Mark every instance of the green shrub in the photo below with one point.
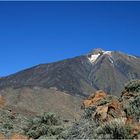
(88, 112)
(133, 86)
(37, 130)
(107, 99)
(36, 120)
(46, 125)
(132, 109)
(49, 119)
(80, 130)
(115, 129)
(7, 125)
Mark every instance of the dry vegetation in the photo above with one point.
(105, 117)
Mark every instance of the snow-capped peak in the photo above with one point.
(94, 57)
(96, 53)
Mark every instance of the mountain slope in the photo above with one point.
(60, 86)
(80, 75)
(69, 75)
(31, 101)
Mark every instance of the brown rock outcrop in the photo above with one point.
(109, 109)
(101, 113)
(94, 99)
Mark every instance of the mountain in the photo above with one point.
(71, 78)
(99, 69)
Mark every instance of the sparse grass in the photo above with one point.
(115, 129)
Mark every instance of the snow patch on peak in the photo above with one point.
(107, 52)
(93, 57)
(96, 53)
(132, 56)
(111, 60)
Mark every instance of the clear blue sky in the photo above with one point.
(40, 32)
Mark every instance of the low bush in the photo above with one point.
(46, 125)
(133, 86)
(132, 108)
(115, 129)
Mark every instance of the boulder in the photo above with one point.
(94, 99)
(101, 113)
